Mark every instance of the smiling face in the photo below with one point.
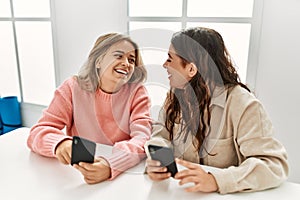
(117, 66)
(178, 73)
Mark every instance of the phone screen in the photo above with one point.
(165, 156)
(83, 150)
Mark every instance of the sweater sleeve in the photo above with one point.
(264, 160)
(126, 154)
(47, 133)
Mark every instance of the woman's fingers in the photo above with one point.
(93, 172)
(64, 158)
(150, 162)
(187, 164)
(63, 151)
(203, 181)
(155, 171)
(189, 179)
(159, 176)
(154, 166)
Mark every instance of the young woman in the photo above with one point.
(211, 118)
(106, 103)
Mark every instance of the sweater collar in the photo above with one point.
(108, 96)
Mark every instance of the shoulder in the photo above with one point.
(134, 86)
(242, 103)
(69, 83)
(135, 89)
(135, 93)
(240, 96)
(240, 100)
(67, 86)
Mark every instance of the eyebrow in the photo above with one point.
(170, 55)
(122, 52)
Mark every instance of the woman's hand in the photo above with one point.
(63, 151)
(94, 172)
(155, 171)
(204, 182)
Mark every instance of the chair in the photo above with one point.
(10, 114)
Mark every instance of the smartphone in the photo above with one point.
(83, 150)
(165, 156)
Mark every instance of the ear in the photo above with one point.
(192, 70)
(97, 63)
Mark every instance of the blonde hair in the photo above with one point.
(88, 75)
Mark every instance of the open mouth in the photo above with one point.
(169, 74)
(121, 71)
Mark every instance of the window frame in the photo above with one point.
(255, 32)
(12, 19)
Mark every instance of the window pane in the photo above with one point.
(9, 81)
(236, 38)
(154, 51)
(157, 82)
(152, 38)
(155, 8)
(5, 8)
(31, 8)
(157, 93)
(219, 8)
(36, 61)
(173, 26)
(153, 60)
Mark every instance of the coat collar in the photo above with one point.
(219, 96)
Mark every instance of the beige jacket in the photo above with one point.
(241, 144)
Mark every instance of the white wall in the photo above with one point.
(79, 23)
(278, 74)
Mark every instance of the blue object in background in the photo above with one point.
(10, 114)
(1, 127)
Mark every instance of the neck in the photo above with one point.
(110, 89)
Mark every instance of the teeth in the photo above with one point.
(121, 71)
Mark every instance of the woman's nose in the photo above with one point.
(165, 65)
(125, 62)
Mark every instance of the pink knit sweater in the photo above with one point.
(121, 119)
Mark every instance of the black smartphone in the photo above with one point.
(165, 156)
(83, 150)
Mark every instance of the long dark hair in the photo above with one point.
(205, 48)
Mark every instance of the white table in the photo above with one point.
(26, 175)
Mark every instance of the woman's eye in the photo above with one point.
(118, 55)
(168, 60)
(131, 60)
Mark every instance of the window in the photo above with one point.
(155, 8)
(26, 51)
(219, 8)
(237, 21)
